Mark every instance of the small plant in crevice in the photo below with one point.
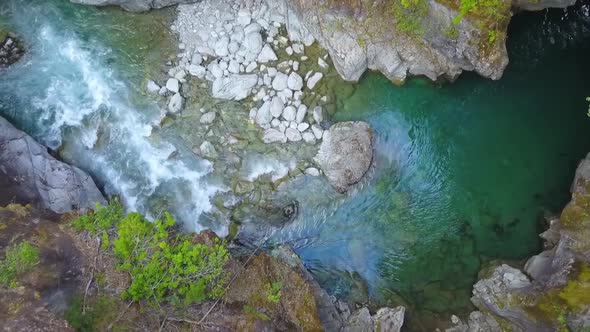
(273, 291)
(409, 15)
(19, 260)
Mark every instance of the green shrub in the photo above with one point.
(273, 292)
(164, 265)
(102, 219)
(19, 259)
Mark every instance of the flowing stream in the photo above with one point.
(463, 174)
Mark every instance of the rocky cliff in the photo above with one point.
(552, 293)
(399, 38)
(29, 174)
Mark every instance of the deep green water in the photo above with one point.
(464, 172)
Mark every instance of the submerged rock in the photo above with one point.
(29, 174)
(346, 153)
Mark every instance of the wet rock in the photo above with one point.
(317, 131)
(293, 134)
(274, 136)
(175, 104)
(312, 171)
(313, 80)
(207, 118)
(152, 87)
(346, 153)
(173, 85)
(29, 174)
(11, 50)
(385, 320)
(134, 5)
(263, 115)
(234, 87)
(318, 114)
(478, 322)
(208, 150)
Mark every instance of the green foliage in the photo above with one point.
(94, 318)
(273, 292)
(19, 259)
(588, 100)
(100, 220)
(452, 32)
(409, 14)
(164, 265)
(492, 35)
(492, 12)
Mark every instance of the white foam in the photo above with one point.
(263, 166)
(85, 94)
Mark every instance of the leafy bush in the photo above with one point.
(19, 259)
(164, 265)
(273, 292)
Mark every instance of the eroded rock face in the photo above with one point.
(29, 174)
(366, 36)
(337, 315)
(134, 5)
(346, 153)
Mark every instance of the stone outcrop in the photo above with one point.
(29, 174)
(11, 49)
(134, 5)
(346, 153)
(553, 291)
(337, 315)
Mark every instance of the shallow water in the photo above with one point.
(463, 173)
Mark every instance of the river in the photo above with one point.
(464, 172)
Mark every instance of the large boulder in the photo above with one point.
(29, 174)
(135, 5)
(346, 153)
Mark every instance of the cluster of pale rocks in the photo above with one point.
(234, 45)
